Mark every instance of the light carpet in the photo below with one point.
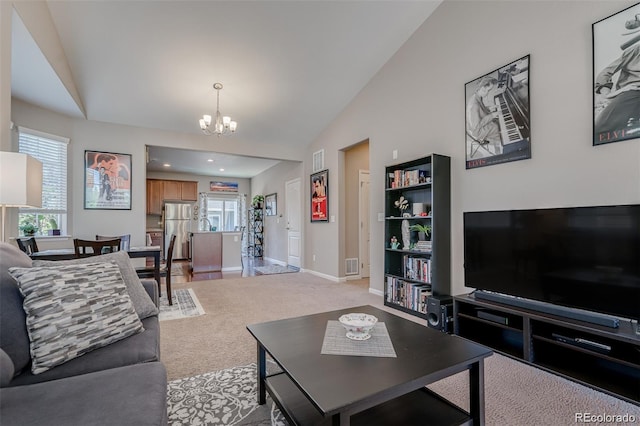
(185, 305)
(515, 394)
(275, 269)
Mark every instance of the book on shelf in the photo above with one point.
(417, 268)
(402, 178)
(407, 294)
(423, 246)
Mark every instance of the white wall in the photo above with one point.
(92, 135)
(275, 227)
(415, 104)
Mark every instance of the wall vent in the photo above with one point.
(318, 161)
(351, 266)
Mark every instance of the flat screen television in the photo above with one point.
(580, 257)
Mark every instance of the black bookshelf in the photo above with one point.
(418, 270)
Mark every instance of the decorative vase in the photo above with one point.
(405, 235)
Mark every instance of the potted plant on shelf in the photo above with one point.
(28, 229)
(257, 201)
(423, 230)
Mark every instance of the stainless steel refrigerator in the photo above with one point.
(178, 218)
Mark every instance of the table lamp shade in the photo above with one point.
(20, 180)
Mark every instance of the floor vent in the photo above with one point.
(351, 266)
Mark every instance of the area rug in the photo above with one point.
(185, 305)
(225, 397)
(275, 269)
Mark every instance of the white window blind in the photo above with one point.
(51, 150)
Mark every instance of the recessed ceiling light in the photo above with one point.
(166, 165)
(210, 160)
(222, 170)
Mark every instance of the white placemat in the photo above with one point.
(336, 342)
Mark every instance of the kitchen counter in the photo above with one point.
(216, 251)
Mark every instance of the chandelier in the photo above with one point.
(222, 125)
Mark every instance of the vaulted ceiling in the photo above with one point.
(288, 67)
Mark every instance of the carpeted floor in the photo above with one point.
(516, 393)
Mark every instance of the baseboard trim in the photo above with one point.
(232, 269)
(325, 276)
(376, 292)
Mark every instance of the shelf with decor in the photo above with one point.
(255, 227)
(417, 263)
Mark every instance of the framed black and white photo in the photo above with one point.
(107, 181)
(270, 204)
(616, 77)
(497, 127)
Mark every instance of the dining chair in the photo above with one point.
(125, 240)
(97, 247)
(27, 245)
(167, 268)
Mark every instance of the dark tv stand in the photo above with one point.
(604, 358)
(547, 308)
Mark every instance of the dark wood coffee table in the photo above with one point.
(316, 389)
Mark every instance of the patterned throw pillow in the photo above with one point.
(74, 309)
(142, 303)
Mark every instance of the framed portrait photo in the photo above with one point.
(616, 89)
(497, 128)
(320, 196)
(270, 204)
(107, 181)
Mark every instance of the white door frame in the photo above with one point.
(294, 208)
(364, 221)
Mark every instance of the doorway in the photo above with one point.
(363, 212)
(294, 218)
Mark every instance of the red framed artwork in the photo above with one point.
(320, 196)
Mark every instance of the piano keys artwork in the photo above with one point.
(616, 79)
(497, 116)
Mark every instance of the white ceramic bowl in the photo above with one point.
(358, 325)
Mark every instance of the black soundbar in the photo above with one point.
(547, 308)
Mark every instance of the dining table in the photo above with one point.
(133, 252)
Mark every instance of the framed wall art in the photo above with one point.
(497, 128)
(616, 84)
(107, 181)
(320, 196)
(270, 204)
(217, 186)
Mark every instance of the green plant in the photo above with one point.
(421, 228)
(53, 223)
(28, 229)
(258, 199)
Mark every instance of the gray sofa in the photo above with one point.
(123, 383)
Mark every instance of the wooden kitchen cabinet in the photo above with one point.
(172, 190)
(159, 190)
(155, 196)
(189, 191)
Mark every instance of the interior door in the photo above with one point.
(294, 219)
(365, 234)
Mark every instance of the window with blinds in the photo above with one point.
(223, 212)
(51, 150)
